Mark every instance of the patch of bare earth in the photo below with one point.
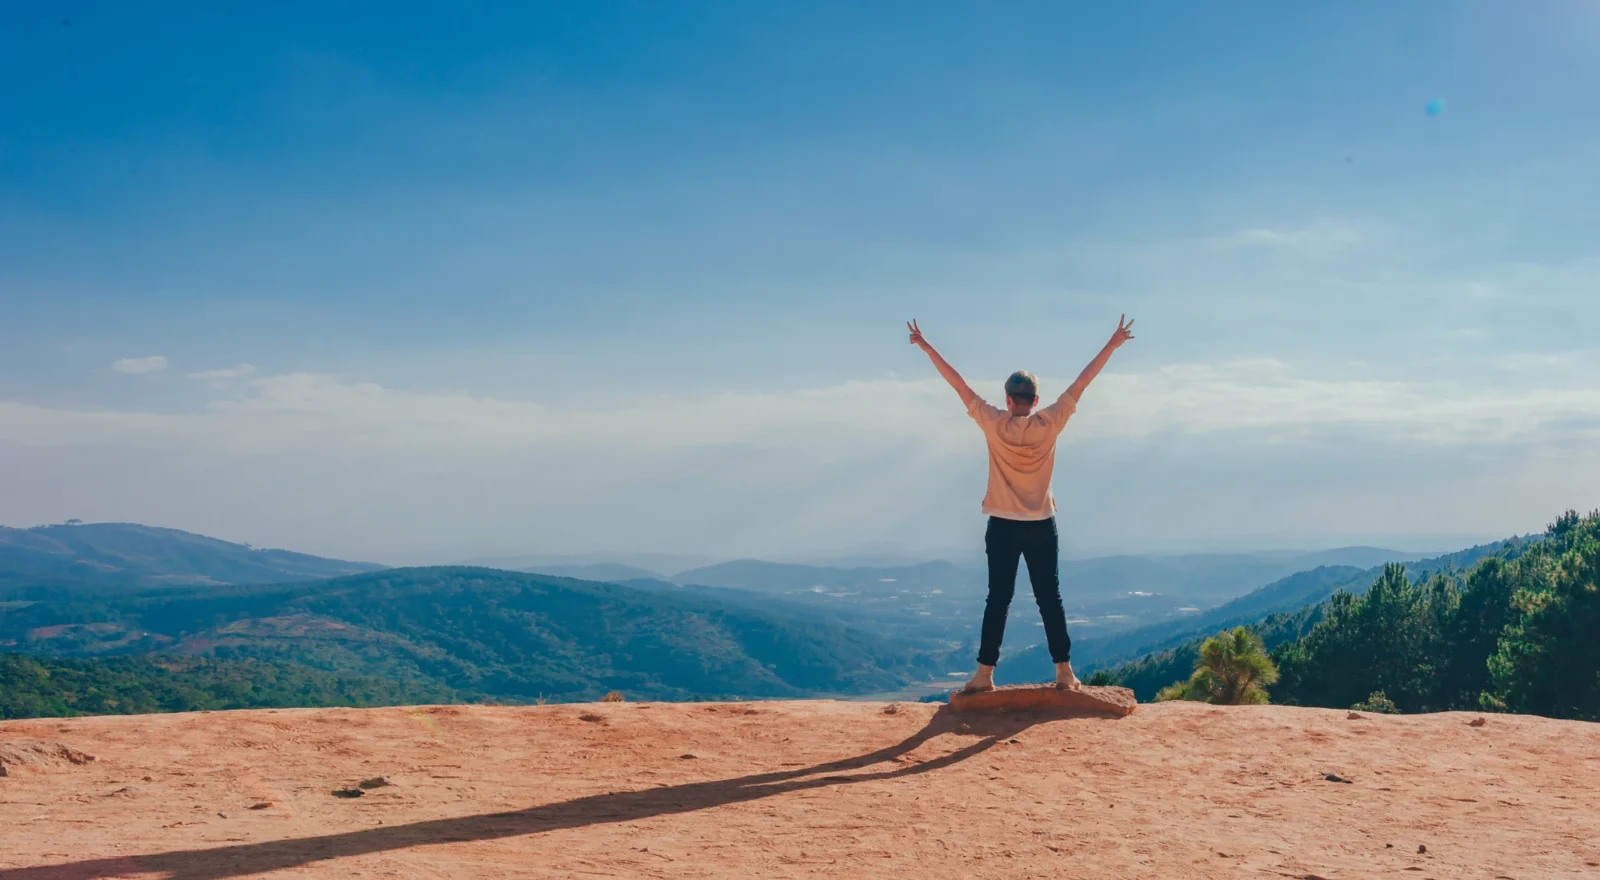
(804, 789)
(35, 755)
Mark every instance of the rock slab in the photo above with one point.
(1109, 700)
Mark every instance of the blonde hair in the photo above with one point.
(1022, 384)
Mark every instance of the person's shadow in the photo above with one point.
(253, 858)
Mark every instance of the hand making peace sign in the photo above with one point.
(1124, 331)
(916, 334)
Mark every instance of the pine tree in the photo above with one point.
(1232, 670)
(1548, 662)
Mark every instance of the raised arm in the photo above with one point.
(943, 366)
(1123, 334)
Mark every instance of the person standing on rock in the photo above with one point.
(1019, 503)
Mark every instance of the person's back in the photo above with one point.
(1019, 502)
(1022, 454)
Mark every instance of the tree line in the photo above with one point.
(39, 687)
(1517, 633)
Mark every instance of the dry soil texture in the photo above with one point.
(803, 789)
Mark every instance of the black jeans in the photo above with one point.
(1037, 542)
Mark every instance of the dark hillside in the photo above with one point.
(35, 687)
(503, 634)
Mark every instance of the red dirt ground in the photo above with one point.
(804, 789)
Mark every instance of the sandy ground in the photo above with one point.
(804, 789)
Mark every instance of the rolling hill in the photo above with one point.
(128, 555)
(741, 628)
(497, 634)
(605, 572)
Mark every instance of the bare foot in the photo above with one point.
(982, 680)
(1066, 679)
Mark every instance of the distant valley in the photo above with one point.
(941, 603)
(746, 628)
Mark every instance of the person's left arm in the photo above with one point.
(962, 389)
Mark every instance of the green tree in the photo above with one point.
(1519, 631)
(1388, 639)
(1548, 657)
(1472, 634)
(1233, 669)
(33, 687)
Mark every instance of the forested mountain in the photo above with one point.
(930, 603)
(33, 687)
(486, 632)
(1285, 596)
(125, 555)
(151, 620)
(604, 572)
(1518, 631)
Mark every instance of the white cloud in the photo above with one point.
(306, 412)
(1268, 395)
(1181, 452)
(152, 364)
(238, 372)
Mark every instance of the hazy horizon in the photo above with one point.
(391, 283)
(671, 564)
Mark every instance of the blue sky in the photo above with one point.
(413, 283)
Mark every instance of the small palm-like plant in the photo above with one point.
(1233, 669)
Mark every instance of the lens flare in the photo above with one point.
(1434, 107)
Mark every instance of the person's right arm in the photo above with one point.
(1076, 389)
(943, 366)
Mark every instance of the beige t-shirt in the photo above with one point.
(1022, 456)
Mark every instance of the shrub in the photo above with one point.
(1378, 702)
(1231, 670)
